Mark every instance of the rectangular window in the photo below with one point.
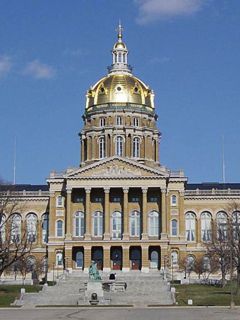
(97, 199)
(153, 199)
(115, 199)
(134, 198)
(119, 121)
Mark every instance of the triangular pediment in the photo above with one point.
(117, 167)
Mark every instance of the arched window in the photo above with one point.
(222, 225)
(119, 146)
(118, 120)
(173, 200)
(135, 223)
(153, 223)
(174, 258)
(190, 224)
(102, 122)
(45, 223)
(16, 227)
(79, 224)
(102, 148)
(136, 122)
(174, 228)
(59, 259)
(206, 264)
(3, 228)
(206, 226)
(190, 261)
(116, 225)
(236, 225)
(136, 147)
(32, 227)
(59, 228)
(98, 224)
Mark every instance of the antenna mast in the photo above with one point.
(223, 162)
(14, 160)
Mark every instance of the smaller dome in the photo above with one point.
(120, 45)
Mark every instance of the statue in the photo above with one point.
(93, 272)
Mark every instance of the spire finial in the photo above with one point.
(119, 31)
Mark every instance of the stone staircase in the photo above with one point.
(142, 289)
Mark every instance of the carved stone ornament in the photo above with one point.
(117, 171)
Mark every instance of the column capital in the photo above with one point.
(163, 190)
(88, 190)
(69, 191)
(125, 190)
(106, 190)
(144, 189)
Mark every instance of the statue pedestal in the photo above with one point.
(94, 287)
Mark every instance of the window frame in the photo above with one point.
(58, 229)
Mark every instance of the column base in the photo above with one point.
(106, 236)
(144, 236)
(87, 236)
(125, 236)
(85, 270)
(106, 269)
(125, 269)
(145, 269)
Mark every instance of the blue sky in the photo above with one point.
(186, 50)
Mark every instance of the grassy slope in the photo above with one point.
(205, 295)
(8, 293)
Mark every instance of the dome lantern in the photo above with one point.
(120, 55)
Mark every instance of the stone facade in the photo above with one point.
(121, 207)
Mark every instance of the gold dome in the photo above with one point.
(120, 88)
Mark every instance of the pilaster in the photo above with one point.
(163, 214)
(144, 213)
(125, 214)
(107, 214)
(125, 259)
(88, 214)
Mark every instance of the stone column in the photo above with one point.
(145, 147)
(181, 216)
(107, 214)
(87, 258)
(145, 260)
(125, 214)
(144, 214)
(163, 214)
(88, 214)
(68, 216)
(39, 232)
(157, 150)
(94, 144)
(52, 213)
(89, 148)
(125, 259)
(68, 262)
(82, 150)
(106, 259)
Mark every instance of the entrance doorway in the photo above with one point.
(136, 258)
(97, 256)
(154, 257)
(78, 257)
(116, 258)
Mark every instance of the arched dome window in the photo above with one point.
(119, 146)
(136, 147)
(222, 225)
(102, 152)
(236, 225)
(16, 222)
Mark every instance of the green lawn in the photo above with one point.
(205, 295)
(8, 293)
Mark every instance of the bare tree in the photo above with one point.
(14, 240)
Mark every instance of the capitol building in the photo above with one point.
(121, 207)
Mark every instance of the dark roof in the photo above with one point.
(26, 187)
(212, 185)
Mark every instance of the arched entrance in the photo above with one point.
(78, 258)
(97, 256)
(154, 257)
(136, 258)
(116, 258)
